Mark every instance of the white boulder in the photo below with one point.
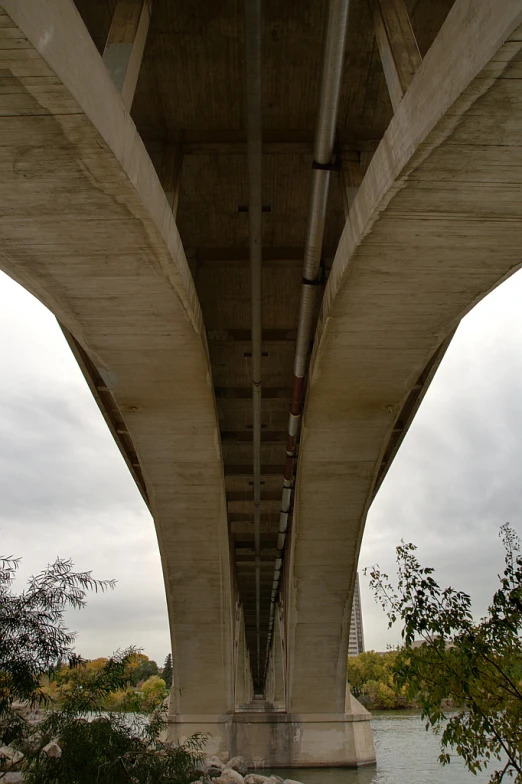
(238, 764)
(52, 750)
(230, 776)
(215, 762)
(9, 757)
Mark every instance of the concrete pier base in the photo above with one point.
(277, 739)
(216, 728)
(295, 741)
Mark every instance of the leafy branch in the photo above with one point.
(476, 667)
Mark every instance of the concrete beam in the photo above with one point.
(398, 48)
(348, 190)
(278, 141)
(246, 470)
(123, 51)
(171, 167)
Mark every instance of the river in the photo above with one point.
(406, 754)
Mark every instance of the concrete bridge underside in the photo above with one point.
(125, 210)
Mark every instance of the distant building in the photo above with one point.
(356, 641)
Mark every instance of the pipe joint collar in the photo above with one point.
(293, 424)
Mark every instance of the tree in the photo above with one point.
(371, 680)
(369, 666)
(33, 647)
(478, 666)
(167, 671)
(141, 668)
(154, 692)
(34, 637)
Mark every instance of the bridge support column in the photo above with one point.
(244, 683)
(275, 678)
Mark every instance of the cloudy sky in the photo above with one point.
(64, 489)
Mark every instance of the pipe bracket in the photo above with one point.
(332, 166)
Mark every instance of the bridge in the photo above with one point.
(259, 228)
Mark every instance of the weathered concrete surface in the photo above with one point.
(301, 741)
(87, 229)
(267, 738)
(435, 226)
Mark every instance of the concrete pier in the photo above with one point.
(266, 738)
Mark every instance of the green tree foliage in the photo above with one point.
(167, 671)
(112, 748)
(141, 668)
(371, 679)
(153, 691)
(478, 666)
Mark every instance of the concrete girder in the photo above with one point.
(125, 44)
(435, 226)
(88, 230)
(400, 56)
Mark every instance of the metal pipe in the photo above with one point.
(331, 75)
(254, 157)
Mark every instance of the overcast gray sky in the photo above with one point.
(66, 491)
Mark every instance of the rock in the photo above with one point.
(52, 750)
(12, 778)
(9, 757)
(215, 762)
(274, 780)
(214, 772)
(230, 776)
(28, 711)
(292, 781)
(238, 764)
(255, 778)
